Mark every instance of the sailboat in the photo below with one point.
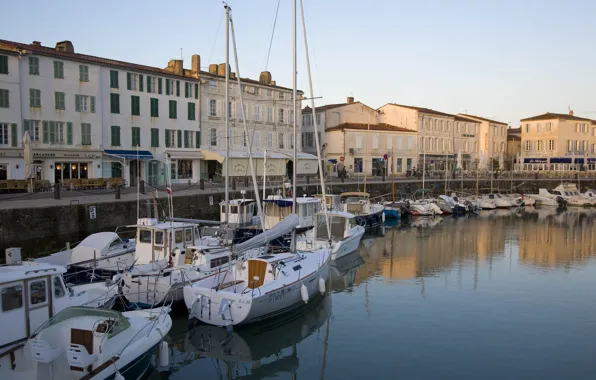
(266, 286)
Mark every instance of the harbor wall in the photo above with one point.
(42, 230)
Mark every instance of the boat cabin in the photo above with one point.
(29, 296)
(332, 201)
(340, 222)
(277, 208)
(207, 259)
(355, 202)
(567, 190)
(241, 212)
(156, 240)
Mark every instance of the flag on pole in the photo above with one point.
(169, 190)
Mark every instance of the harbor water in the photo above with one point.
(502, 295)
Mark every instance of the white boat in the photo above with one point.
(345, 234)
(95, 258)
(424, 208)
(544, 198)
(451, 205)
(574, 198)
(483, 203)
(87, 343)
(367, 214)
(31, 295)
(499, 200)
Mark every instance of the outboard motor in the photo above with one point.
(561, 202)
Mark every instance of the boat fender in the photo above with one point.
(164, 354)
(118, 376)
(304, 293)
(321, 285)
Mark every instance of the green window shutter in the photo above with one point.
(57, 100)
(198, 139)
(56, 72)
(78, 103)
(179, 138)
(186, 89)
(69, 133)
(113, 79)
(128, 81)
(52, 132)
(186, 139)
(3, 64)
(167, 138)
(92, 104)
(140, 82)
(168, 86)
(26, 127)
(115, 103)
(159, 86)
(134, 136)
(45, 132)
(148, 83)
(196, 91)
(177, 88)
(191, 111)
(13, 134)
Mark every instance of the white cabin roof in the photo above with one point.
(343, 214)
(10, 273)
(166, 225)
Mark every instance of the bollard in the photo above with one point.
(202, 184)
(142, 187)
(56, 190)
(117, 187)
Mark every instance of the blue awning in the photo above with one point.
(279, 202)
(130, 154)
(535, 160)
(332, 160)
(560, 160)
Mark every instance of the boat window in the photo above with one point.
(37, 292)
(158, 237)
(234, 209)
(12, 297)
(118, 242)
(145, 236)
(219, 261)
(58, 288)
(223, 209)
(353, 222)
(188, 235)
(178, 236)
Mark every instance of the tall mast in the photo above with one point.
(294, 98)
(227, 116)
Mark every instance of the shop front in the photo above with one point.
(274, 164)
(130, 165)
(185, 166)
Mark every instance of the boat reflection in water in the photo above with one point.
(342, 272)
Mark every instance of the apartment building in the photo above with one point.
(554, 141)
(93, 117)
(441, 136)
(491, 140)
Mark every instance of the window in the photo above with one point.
(257, 140)
(281, 95)
(538, 128)
(170, 87)
(188, 139)
(59, 100)
(4, 134)
(375, 142)
(34, 98)
(84, 103)
(291, 141)
(191, 111)
(136, 136)
(357, 165)
(33, 127)
(85, 134)
(269, 93)
(113, 79)
(269, 113)
(115, 103)
(318, 119)
(212, 107)
(3, 64)
(551, 144)
(37, 292)
(173, 109)
(185, 172)
(84, 73)
(527, 145)
(58, 288)
(12, 298)
(280, 140)
(4, 101)
(170, 138)
(58, 70)
(291, 117)
(257, 91)
(213, 137)
(212, 84)
(135, 105)
(154, 137)
(527, 128)
(539, 145)
(154, 107)
(158, 237)
(269, 140)
(257, 112)
(281, 114)
(358, 142)
(115, 135)
(33, 66)
(134, 82)
(151, 84)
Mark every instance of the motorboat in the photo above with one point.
(424, 208)
(32, 294)
(367, 214)
(87, 343)
(544, 198)
(345, 234)
(499, 200)
(449, 205)
(392, 209)
(95, 258)
(482, 202)
(468, 207)
(523, 200)
(574, 198)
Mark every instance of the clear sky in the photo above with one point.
(502, 59)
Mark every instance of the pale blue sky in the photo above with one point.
(499, 59)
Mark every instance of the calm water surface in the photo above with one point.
(503, 295)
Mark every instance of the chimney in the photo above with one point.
(65, 46)
(213, 69)
(175, 66)
(350, 100)
(570, 112)
(36, 43)
(265, 77)
(221, 70)
(196, 63)
(232, 75)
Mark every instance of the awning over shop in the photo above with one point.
(185, 155)
(276, 162)
(540, 160)
(129, 154)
